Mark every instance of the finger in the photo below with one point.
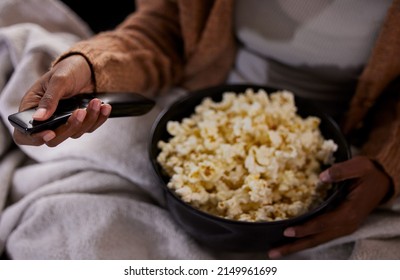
(32, 97)
(101, 117)
(350, 169)
(332, 221)
(311, 235)
(319, 230)
(47, 106)
(105, 111)
(48, 103)
(73, 126)
(92, 115)
(36, 139)
(301, 244)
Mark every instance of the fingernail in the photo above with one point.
(96, 105)
(49, 136)
(289, 232)
(274, 254)
(106, 110)
(80, 115)
(39, 113)
(325, 177)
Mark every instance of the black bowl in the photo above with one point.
(224, 234)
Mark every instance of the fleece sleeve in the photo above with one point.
(143, 54)
(383, 144)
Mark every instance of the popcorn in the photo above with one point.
(249, 157)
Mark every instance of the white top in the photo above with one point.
(316, 48)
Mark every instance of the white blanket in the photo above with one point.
(96, 197)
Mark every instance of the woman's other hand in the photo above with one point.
(369, 187)
(67, 78)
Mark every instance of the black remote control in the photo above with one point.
(124, 104)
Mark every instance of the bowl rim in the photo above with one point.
(339, 187)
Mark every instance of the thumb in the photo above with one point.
(47, 106)
(68, 77)
(49, 102)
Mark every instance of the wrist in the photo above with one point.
(85, 78)
(389, 186)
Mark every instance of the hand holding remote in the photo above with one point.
(76, 114)
(122, 104)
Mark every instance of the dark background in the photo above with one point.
(102, 15)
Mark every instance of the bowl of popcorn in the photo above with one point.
(240, 163)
